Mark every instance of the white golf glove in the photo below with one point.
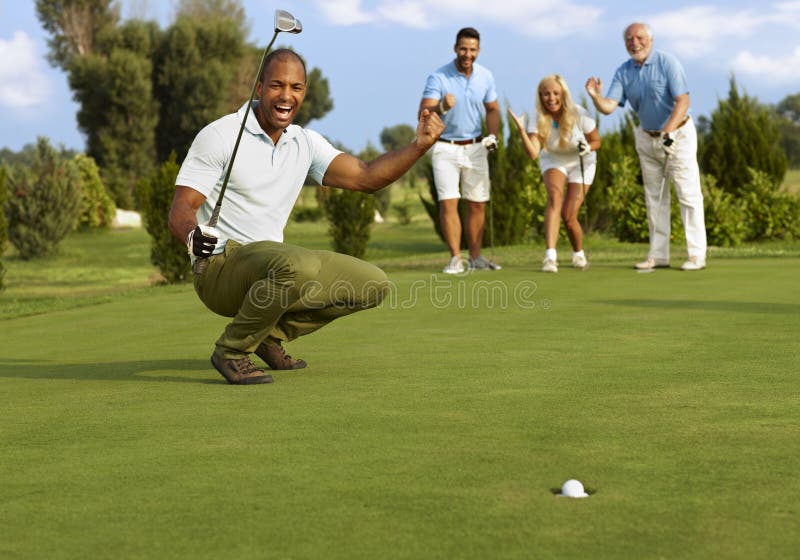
(584, 149)
(668, 143)
(490, 142)
(202, 240)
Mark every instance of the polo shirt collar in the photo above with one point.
(253, 127)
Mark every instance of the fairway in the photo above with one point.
(433, 427)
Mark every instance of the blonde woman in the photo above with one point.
(560, 135)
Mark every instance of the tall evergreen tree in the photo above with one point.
(196, 63)
(743, 134)
(789, 111)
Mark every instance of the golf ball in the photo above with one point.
(573, 489)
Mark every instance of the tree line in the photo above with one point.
(144, 92)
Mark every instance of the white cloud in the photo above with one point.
(543, 18)
(772, 69)
(696, 31)
(344, 12)
(22, 81)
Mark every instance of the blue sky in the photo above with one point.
(377, 54)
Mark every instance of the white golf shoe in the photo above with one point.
(549, 265)
(694, 263)
(651, 263)
(455, 266)
(579, 261)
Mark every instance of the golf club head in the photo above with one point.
(286, 22)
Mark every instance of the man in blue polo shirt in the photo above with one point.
(462, 91)
(666, 140)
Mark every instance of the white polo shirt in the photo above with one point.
(266, 178)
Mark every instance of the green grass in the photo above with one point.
(791, 183)
(433, 427)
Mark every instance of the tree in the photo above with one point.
(3, 223)
(97, 208)
(743, 134)
(74, 26)
(155, 195)
(789, 111)
(43, 202)
(195, 58)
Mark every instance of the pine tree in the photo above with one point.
(743, 134)
(43, 202)
(155, 194)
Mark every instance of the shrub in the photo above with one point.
(97, 208)
(350, 215)
(724, 214)
(43, 202)
(769, 212)
(154, 196)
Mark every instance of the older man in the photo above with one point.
(655, 84)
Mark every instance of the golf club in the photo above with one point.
(284, 23)
(585, 205)
(658, 208)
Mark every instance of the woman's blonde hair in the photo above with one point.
(568, 115)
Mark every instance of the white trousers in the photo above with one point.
(684, 172)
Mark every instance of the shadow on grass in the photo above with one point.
(727, 306)
(144, 370)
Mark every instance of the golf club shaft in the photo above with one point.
(215, 214)
(585, 202)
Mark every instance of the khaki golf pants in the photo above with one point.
(279, 291)
(682, 169)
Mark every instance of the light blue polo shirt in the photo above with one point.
(650, 88)
(265, 180)
(462, 122)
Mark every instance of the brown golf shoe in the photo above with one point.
(276, 358)
(240, 371)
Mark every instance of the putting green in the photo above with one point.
(433, 427)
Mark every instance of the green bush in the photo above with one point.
(626, 201)
(350, 215)
(154, 197)
(724, 215)
(3, 224)
(97, 207)
(769, 212)
(43, 202)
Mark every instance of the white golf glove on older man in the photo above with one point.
(490, 142)
(584, 149)
(668, 143)
(202, 241)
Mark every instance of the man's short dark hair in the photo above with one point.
(468, 33)
(281, 54)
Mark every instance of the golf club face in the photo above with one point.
(286, 22)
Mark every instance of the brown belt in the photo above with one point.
(657, 133)
(462, 142)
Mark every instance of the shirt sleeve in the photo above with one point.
(491, 89)
(676, 77)
(433, 88)
(205, 163)
(588, 124)
(616, 91)
(323, 153)
(533, 123)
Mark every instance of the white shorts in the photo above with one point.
(465, 165)
(570, 166)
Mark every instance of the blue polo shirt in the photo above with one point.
(650, 88)
(463, 121)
